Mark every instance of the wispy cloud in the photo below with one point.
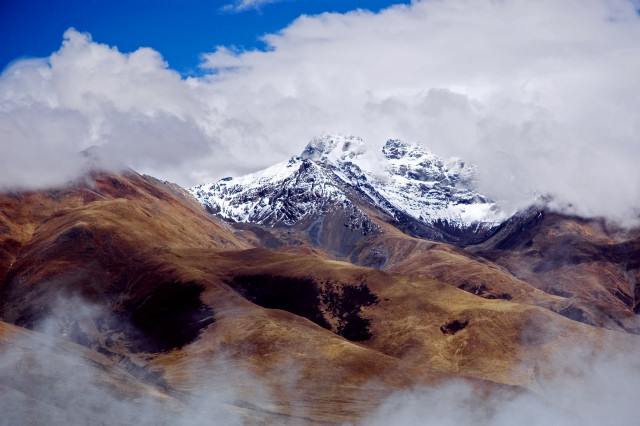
(244, 5)
(542, 96)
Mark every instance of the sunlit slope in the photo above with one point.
(183, 305)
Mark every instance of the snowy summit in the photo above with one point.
(409, 183)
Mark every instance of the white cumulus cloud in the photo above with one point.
(542, 96)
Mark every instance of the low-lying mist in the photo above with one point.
(44, 379)
(589, 389)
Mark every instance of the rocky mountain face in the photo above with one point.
(592, 264)
(333, 185)
(123, 301)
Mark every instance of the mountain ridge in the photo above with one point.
(416, 191)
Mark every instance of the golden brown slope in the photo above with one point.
(576, 267)
(130, 270)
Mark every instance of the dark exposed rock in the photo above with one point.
(454, 326)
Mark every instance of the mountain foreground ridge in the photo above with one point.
(123, 301)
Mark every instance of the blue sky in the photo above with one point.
(179, 29)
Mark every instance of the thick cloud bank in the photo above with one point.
(543, 96)
(86, 94)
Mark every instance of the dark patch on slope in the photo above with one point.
(154, 313)
(454, 326)
(169, 317)
(345, 304)
(576, 313)
(304, 297)
(300, 296)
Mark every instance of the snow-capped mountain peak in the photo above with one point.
(416, 162)
(333, 149)
(431, 197)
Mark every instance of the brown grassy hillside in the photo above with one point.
(155, 301)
